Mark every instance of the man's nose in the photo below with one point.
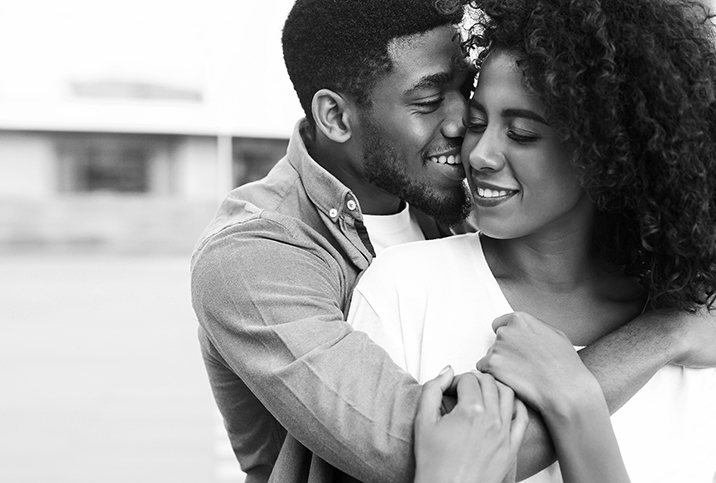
(456, 116)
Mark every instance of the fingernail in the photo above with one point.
(445, 369)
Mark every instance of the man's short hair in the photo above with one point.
(342, 45)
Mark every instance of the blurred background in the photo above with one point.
(122, 125)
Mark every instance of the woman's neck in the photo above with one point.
(561, 281)
(553, 262)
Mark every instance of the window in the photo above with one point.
(112, 168)
(117, 163)
(254, 157)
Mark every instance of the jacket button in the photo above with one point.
(351, 205)
(333, 213)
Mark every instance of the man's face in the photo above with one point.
(413, 131)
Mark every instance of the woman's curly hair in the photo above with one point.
(631, 85)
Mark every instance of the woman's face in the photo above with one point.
(519, 172)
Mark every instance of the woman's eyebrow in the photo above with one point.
(525, 113)
(512, 112)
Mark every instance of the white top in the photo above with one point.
(388, 230)
(432, 303)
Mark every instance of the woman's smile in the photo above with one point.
(487, 196)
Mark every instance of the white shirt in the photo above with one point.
(432, 303)
(388, 230)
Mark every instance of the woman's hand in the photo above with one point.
(542, 367)
(477, 441)
(538, 362)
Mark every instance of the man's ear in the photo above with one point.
(332, 113)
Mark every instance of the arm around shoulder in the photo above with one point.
(624, 360)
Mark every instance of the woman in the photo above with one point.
(591, 159)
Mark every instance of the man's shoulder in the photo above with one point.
(269, 193)
(258, 203)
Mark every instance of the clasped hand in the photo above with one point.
(478, 440)
(536, 360)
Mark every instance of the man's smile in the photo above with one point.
(446, 159)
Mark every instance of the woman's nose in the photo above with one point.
(486, 153)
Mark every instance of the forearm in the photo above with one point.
(621, 362)
(626, 359)
(537, 451)
(348, 404)
(585, 442)
(334, 390)
(351, 407)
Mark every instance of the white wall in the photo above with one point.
(228, 50)
(27, 166)
(197, 169)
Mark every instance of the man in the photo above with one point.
(375, 163)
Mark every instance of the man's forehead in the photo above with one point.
(438, 50)
(398, 46)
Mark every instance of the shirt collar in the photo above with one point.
(325, 191)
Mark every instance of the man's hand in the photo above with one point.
(477, 441)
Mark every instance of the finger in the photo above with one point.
(501, 321)
(452, 386)
(431, 397)
(507, 401)
(490, 394)
(511, 476)
(469, 393)
(520, 421)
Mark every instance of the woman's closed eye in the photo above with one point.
(521, 136)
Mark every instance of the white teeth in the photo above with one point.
(452, 159)
(489, 193)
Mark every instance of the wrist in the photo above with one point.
(583, 397)
(434, 473)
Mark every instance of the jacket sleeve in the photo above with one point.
(271, 303)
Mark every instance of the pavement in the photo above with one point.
(102, 380)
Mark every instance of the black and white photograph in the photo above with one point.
(358, 241)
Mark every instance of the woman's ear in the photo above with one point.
(331, 112)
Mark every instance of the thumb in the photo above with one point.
(431, 396)
(501, 321)
(483, 365)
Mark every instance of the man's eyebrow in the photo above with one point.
(431, 81)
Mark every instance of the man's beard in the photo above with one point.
(383, 168)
